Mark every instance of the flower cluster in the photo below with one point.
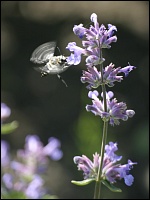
(94, 40)
(110, 75)
(98, 37)
(23, 174)
(110, 170)
(115, 110)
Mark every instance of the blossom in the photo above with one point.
(97, 37)
(35, 147)
(110, 170)
(23, 174)
(76, 57)
(92, 76)
(110, 75)
(35, 189)
(115, 111)
(8, 180)
(5, 112)
(52, 149)
(4, 153)
(127, 69)
(79, 30)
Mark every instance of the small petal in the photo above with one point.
(79, 30)
(127, 69)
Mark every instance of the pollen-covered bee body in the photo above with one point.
(48, 63)
(55, 65)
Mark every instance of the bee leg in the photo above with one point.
(62, 80)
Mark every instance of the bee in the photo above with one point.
(48, 63)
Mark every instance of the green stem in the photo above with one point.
(97, 191)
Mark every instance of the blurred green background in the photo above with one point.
(44, 106)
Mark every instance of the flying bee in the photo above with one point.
(48, 63)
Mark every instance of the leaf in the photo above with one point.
(111, 186)
(9, 127)
(14, 195)
(48, 196)
(84, 182)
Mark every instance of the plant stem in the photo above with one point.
(97, 191)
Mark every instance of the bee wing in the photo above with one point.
(43, 53)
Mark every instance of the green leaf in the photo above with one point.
(84, 182)
(48, 196)
(14, 195)
(9, 127)
(111, 186)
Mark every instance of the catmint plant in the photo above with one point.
(106, 167)
(22, 177)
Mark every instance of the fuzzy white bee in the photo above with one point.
(49, 64)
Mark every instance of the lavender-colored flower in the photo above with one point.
(23, 173)
(92, 76)
(110, 170)
(35, 151)
(127, 69)
(5, 112)
(4, 153)
(35, 188)
(52, 149)
(110, 75)
(34, 146)
(88, 167)
(79, 30)
(8, 180)
(115, 111)
(98, 37)
(75, 59)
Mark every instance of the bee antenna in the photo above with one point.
(62, 80)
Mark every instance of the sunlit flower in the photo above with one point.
(110, 170)
(115, 111)
(110, 75)
(97, 37)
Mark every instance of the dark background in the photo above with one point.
(45, 107)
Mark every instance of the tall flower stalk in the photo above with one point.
(104, 136)
(104, 168)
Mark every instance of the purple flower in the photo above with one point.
(79, 30)
(110, 170)
(5, 112)
(52, 149)
(35, 188)
(24, 173)
(4, 153)
(110, 75)
(88, 167)
(115, 111)
(8, 180)
(97, 37)
(92, 76)
(127, 69)
(34, 146)
(74, 59)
